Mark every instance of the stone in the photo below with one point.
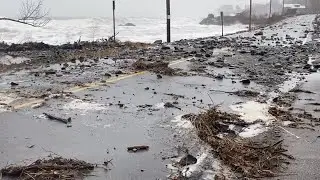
(259, 33)
(188, 160)
(165, 47)
(14, 84)
(158, 42)
(245, 81)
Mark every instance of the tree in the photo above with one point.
(31, 13)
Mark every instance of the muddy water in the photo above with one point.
(102, 129)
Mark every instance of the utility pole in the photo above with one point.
(114, 20)
(250, 16)
(270, 10)
(168, 22)
(221, 15)
(283, 3)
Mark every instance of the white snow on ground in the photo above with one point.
(252, 111)
(84, 107)
(182, 123)
(253, 130)
(159, 105)
(146, 30)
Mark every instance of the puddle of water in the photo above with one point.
(252, 111)
(8, 60)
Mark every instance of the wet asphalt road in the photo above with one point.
(102, 130)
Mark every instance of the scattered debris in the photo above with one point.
(247, 158)
(52, 117)
(171, 105)
(31, 146)
(145, 106)
(314, 104)
(158, 67)
(297, 90)
(241, 93)
(138, 148)
(175, 96)
(55, 168)
(14, 84)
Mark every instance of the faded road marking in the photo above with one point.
(31, 102)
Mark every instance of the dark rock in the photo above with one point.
(165, 47)
(159, 76)
(188, 160)
(278, 65)
(107, 74)
(219, 76)
(245, 81)
(127, 24)
(158, 42)
(14, 84)
(147, 88)
(49, 72)
(208, 55)
(260, 33)
(198, 55)
(73, 60)
(169, 105)
(118, 72)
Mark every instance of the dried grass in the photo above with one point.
(247, 159)
(55, 168)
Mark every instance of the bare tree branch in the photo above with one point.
(32, 13)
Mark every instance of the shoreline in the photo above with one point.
(257, 74)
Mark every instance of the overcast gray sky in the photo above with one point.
(125, 8)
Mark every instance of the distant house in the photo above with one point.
(294, 9)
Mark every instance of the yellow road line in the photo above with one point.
(88, 86)
(97, 84)
(27, 104)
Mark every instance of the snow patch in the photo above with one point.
(159, 105)
(252, 111)
(182, 123)
(84, 106)
(252, 130)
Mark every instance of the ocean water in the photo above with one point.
(60, 31)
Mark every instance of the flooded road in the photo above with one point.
(108, 119)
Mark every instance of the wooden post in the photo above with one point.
(114, 20)
(221, 15)
(283, 3)
(168, 22)
(270, 10)
(250, 18)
